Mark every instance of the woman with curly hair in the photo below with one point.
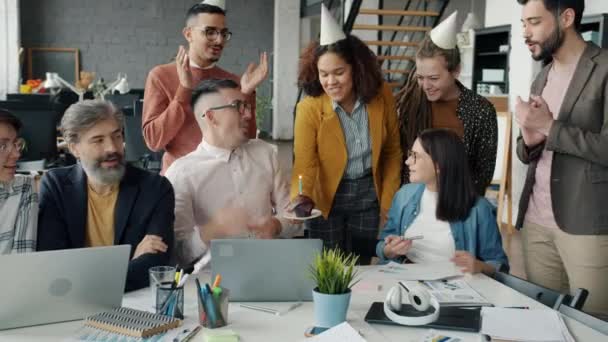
(346, 144)
(434, 98)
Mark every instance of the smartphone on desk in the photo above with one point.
(312, 331)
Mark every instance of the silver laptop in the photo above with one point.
(265, 270)
(62, 285)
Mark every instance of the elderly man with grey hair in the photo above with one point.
(102, 201)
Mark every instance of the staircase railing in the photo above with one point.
(411, 36)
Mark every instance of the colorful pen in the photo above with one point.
(209, 305)
(218, 279)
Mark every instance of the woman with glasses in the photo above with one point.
(346, 144)
(438, 217)
(18, 199)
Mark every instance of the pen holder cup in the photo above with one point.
(170, 301)
(213, 309)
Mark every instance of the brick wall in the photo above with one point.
(134, 35)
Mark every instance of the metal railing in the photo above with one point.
(407, 36)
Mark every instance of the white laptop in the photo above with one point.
(63, 285)
(265, 270)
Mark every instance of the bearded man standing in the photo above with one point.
(564, 140)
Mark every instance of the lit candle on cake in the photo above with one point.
(300, 184)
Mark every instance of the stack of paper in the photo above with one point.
(451, 292)
(339, 333)
(542, 325)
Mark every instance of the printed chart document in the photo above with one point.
(434, 271)
(537, 325)
(454, 292)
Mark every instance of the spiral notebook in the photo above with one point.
(131, 322)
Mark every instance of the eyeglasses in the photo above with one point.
(413, 155)
(241, 106)
(213, 33)
(8, 147)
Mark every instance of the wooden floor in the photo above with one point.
(511, 242)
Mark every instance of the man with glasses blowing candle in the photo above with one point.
(229, 186)
(168, 122)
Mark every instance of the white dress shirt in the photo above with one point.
(438, 242)
(211, 178)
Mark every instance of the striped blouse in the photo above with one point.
(358, 142)
(19, 213)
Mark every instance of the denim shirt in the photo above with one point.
(478, 234)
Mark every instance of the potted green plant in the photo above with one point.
(333, 272)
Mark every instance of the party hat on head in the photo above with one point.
(444, 34)
(331, 31)
(217, 3)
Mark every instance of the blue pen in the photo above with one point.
(216, 306)
(210, 306)
(202, 299)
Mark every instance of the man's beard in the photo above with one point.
(550, 45)
(102, 174)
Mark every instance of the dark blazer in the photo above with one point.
(579, 140)
(145, 205)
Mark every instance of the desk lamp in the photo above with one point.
(54, 82)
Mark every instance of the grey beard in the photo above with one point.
(104, 176)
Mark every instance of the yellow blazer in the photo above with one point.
(321, 156)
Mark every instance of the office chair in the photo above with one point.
(584, 318)
(123, 101)
(136, 150)
(550, 298)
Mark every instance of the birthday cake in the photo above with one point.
(302, 206)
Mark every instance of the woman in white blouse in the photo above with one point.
(18, 198)
(439, 217)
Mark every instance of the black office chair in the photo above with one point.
(584, 318)
(136, 150)
(123, 101)
(550, 298)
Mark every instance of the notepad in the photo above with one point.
(131, 322)
(221, 336)
(540, 325)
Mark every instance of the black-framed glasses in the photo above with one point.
(8, 147)
(413, 155)
(213, 33)
(241, 106)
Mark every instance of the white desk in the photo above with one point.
(258, 326)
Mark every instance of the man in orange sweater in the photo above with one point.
(168, 120)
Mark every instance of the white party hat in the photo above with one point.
(444, 34)
(331, 31)
(218, 3)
